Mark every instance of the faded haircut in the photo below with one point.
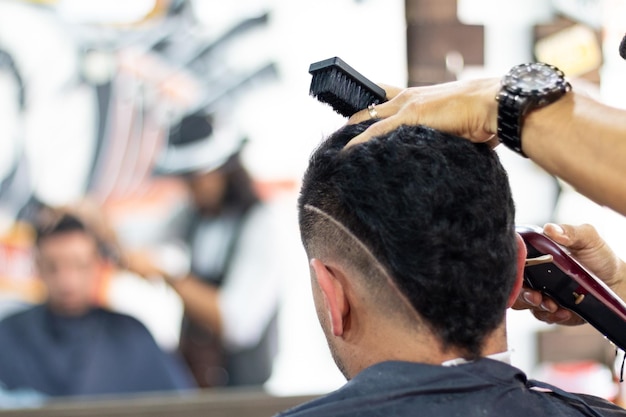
(434, 218)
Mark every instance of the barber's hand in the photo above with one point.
(465, 108)
(170, 261)
(588, 248)
(142, 263)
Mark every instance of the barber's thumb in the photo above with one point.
(559, 233)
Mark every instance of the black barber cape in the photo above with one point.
(483, 388)
(98, 353)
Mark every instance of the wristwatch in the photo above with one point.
(524, 88)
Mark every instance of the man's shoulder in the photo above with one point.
(374, 391)
(604, 407)
(19, 329)
(127, 330)
(400, 388)
(121, 321)
(23, 316)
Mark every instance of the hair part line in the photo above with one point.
(369, 253)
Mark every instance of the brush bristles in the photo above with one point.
(343, 94)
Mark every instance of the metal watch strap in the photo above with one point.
(510, 113)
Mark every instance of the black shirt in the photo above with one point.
(97, 353)
(482, 388)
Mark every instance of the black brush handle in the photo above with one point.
(338, 64)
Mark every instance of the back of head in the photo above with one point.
(433, 209)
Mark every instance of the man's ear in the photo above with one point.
(336, 305)
(519, 275)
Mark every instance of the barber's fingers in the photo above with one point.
(535, 300)
(382, 110)
(379, 128)
(583, 237)
(545, 308)
(562, 316)
(403, 107)
(582, 241)
(462, 108)
(587, 247)
(527, 299)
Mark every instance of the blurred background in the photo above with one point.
(91, 88)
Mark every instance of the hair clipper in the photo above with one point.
(551, 270)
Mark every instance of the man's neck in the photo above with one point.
(68, 313)
(496, 342)
(423, 348)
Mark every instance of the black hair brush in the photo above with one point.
(347, 91)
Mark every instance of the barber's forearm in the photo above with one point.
(582, 142)
(200, 301)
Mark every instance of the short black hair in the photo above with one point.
(64, 223)
(60, 223)
(434, 209)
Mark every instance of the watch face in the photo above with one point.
(533, 78)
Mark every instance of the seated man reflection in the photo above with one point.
(68, 346)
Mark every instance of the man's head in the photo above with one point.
(415, 227)
(69, 261)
